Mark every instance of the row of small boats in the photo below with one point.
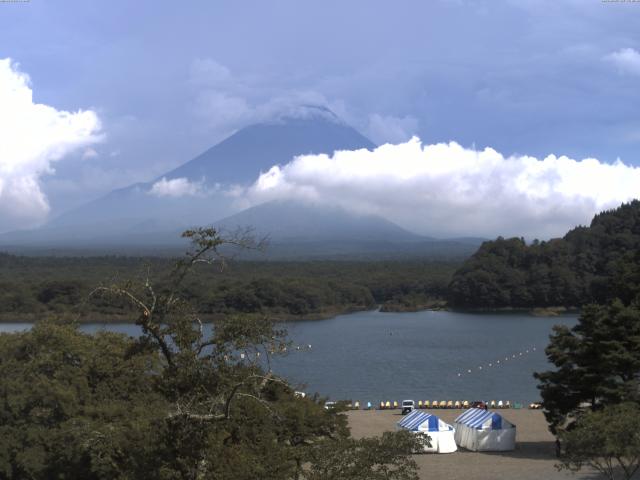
(457, 404)
(445, 404)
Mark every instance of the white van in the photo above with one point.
(408, 406)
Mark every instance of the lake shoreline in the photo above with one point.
(207, 318)
(436, 306)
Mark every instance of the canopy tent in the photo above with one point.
(440, 433)
(482, 430)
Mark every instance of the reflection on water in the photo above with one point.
(373, 356)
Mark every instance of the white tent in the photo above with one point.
(482, 430)
(440, 433)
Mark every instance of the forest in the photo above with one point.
(589, 264)
(32, 286)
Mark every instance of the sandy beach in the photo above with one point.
(533, 458)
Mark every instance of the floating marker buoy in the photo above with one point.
(491, 365)
(459, 374)
(498, 361)
(480, 368)
(469, 371)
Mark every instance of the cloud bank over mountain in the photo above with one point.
(448, 190)
(33, 136)
(226, 101)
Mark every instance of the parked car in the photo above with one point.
(408, 406)
(339, 406)
(330, 405)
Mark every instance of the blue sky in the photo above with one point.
(168, 79)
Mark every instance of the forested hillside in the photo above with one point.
(589, 264)
(33, 286)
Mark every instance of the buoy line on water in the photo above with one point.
(497, 363)
(254, 354)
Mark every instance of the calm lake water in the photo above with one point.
(374, 356)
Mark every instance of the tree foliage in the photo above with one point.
(597, 363)
(73, 405)
(383, 458)
(607, 441)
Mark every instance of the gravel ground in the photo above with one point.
(533, 458)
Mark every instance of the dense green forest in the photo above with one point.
(32, 286)
(589, 264)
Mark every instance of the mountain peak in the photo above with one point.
(307, 111)
(239, 159)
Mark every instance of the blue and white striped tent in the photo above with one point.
(482, 430)
(441, 434)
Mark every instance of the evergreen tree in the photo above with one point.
(597, 363)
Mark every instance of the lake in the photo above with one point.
(374, 356)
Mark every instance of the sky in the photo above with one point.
(98, 95)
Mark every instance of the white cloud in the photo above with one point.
(177, 187)
(208, 72)
(627, 60)
(448, 190)
(32, 137)
(89, 153)
(222, 110)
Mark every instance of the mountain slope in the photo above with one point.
(288, 221)
(303, 231)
